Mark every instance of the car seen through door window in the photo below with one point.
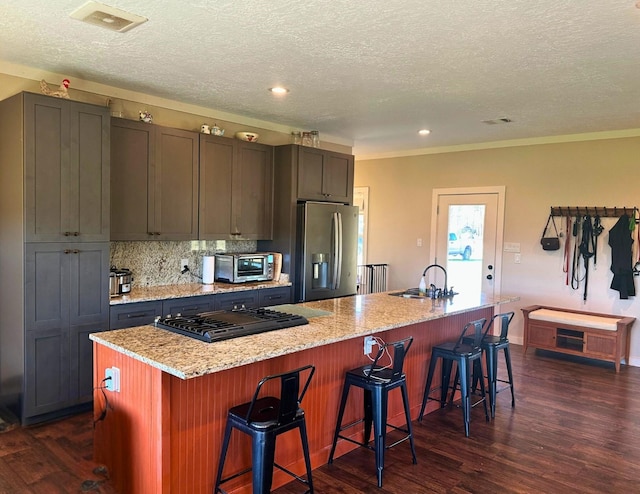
(461, 244)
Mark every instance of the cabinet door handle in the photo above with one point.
(67, 251)
(75, 234)
(134, 316)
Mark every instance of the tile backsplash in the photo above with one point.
(158, 262)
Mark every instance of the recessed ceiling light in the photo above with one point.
(424, 132)
(279, 90)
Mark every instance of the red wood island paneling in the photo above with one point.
(162, 434)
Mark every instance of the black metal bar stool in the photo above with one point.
(466, 356)
(491, 345)
(264, 419)
(376, 382)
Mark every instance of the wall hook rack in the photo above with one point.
(602, 211)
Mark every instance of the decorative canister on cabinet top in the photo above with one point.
(306, 139)
(315, 138)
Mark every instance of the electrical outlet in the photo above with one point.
(369, 341)
(184, 262)
(112, 384)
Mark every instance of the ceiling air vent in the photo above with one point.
(107, 17)
(496, 121)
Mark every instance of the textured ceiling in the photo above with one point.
(369, 71)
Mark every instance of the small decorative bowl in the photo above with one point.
(247, 136)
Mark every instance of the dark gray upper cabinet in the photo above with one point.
(65, 300)
(154, 182)
(66, 167)
(236, 189)
(324, 175)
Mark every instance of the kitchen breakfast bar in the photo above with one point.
(162, 431)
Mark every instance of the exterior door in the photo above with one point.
(468, 235)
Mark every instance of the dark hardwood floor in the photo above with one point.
(575, 428)
(54, 458)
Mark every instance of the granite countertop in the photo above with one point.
(342, 319)
(145, 294)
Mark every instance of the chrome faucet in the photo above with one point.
(444, 291)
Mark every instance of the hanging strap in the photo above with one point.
(575, 266)
(567, 250)
(638, 236)
(632, 226)
(553, 221)
(597, 230)
(587, 243)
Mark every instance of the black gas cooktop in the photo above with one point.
(225, 324)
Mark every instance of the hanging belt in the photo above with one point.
(588, 241)
(567, 250)
(575, 268)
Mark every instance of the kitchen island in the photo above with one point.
(162, 431)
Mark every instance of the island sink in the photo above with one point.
(429, 293)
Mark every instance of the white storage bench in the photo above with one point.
(587, 334)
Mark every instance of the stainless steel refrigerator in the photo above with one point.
(327, 251)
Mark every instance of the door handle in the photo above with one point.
(489, 277)
(336, 247)
(340, 248)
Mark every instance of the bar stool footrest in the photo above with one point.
(235, 475)
(294, 475)
(359, 443)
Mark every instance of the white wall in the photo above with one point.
(588, 173)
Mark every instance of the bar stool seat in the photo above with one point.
(263, 419)
(377, 381)
(466, 356)
(491, 345)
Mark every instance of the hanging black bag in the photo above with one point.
(550, 243)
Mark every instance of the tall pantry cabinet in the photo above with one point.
(54, 251)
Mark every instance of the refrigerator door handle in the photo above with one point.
(335, 243)
(340, 247)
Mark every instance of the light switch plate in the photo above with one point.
(512, 246)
